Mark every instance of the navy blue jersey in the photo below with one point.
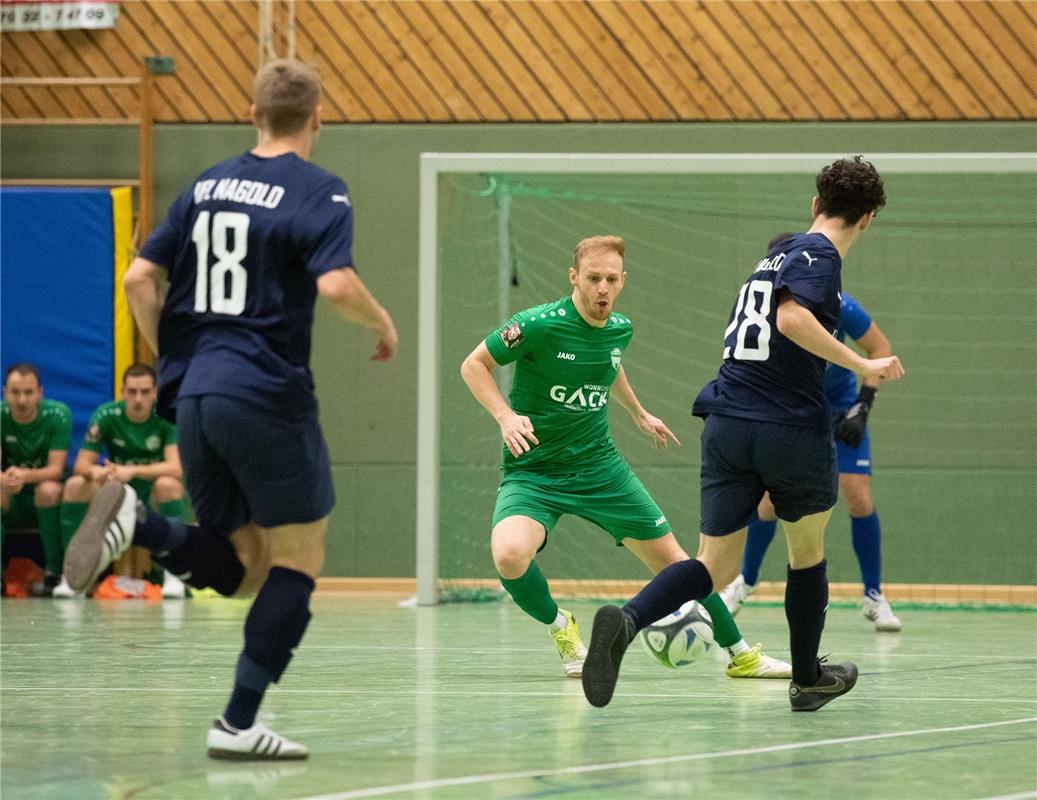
(765, 376)
(840, 383)
(243, 246)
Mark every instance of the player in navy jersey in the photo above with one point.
(850, 409)
(767, 429)
(246, 249)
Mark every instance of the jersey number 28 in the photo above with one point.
(210, 286)
(754, 301)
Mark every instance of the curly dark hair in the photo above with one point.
(849, 189)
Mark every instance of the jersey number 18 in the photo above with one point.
(210, 286)
(754, 301)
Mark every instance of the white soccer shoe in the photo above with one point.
(736, 593)
(172, 587)
(878, 610)
(257, 743)
(63, 590)
(103, 536)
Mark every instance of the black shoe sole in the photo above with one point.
(235, 755)
(811, 700)
(608, 644)
(84, 549)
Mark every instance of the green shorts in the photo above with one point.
(22, 513)
(610, 496)
(143, 489)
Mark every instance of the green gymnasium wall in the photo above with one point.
(961, 519)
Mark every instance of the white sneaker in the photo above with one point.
(103, 536)
(878, 610)
(63, 590)
(736, 593)
(173, 587)
(257, 743)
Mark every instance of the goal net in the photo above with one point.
(948, 273)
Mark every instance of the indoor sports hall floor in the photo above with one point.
(112, 700)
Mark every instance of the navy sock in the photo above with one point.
(668, 591)
(273, 629)
(759, 538)
(157, 533)
(867, 543)
(806, 601)
(204, 559)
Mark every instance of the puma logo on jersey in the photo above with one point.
(340, 198)
(567, 356)
(810, 259)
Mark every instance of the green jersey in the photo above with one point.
(29, 445)
(564, 369)
(125, 441)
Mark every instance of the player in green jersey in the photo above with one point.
(559, 457)
(141, 451)
(36, 434)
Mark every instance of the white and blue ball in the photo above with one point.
(681, 637)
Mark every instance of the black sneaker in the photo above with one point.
(613, 631)
(836, 679)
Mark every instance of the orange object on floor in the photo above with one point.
(122, 587)
(20, 576)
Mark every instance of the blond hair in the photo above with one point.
(286, 92)
(597, 244)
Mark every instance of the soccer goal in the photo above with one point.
(496, 233)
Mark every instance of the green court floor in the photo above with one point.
(112, 700)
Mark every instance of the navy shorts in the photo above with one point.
(742, 458)
(245, 463)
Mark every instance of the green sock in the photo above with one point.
(71, 516)
(725, 631)
(173, 509)
(50, 533)
(531, 594)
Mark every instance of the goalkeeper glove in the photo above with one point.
(850, 425)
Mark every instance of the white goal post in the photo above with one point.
(432, 165)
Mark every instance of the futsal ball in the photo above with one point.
(681, 637)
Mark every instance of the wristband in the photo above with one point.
(867, 395)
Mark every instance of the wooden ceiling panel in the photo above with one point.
(557, 60)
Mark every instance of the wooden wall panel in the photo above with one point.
(559, 60)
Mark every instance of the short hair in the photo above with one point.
(781, 237)
(285, 92)
(597, 244)
(849, 189)
(139, 371)
(23, 368)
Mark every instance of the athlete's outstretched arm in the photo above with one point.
(800, 326)
(352, 300)
(652, 425)
(477, 373)
(142, 293)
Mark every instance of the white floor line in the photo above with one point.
(468, 780)
(718, 696)
(1019, 796)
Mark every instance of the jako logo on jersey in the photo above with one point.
(617, 356)
(581, 398)
(660, 521)
(567, 356)
(340, 198)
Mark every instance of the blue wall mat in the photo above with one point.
(56, 276)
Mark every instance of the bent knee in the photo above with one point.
(167, 488)
(47, 493)
(510, 559)
(77, 489)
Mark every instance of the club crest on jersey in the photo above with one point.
(153, 443)
(511, 336)
(93, 433)
(616, 355)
